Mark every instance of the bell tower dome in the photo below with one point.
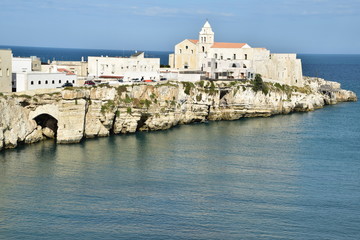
(206, 35)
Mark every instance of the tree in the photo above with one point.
(258, 83)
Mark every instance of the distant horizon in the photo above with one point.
(170, 51)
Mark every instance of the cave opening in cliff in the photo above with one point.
(48, 123)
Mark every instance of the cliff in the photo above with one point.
(71, 114)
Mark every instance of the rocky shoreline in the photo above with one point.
(72, 114)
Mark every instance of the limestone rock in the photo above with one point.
(49, 133)
(35, 136)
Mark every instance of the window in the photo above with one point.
(221, 57)
(209, 64)
(32, 82)
(59, 81)
(39, 82)
(245, 56)
(7, 72)
(0, 72)
(244, 66)
(203, 49)
(180, 50)
(192, 51)
(73, 81)
(53, 81)
(187, 47)
(215, 56)
(216, 65)
(234, 56)
(46, 82)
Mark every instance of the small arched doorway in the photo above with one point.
(48, 123)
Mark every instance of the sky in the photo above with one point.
(294, 26)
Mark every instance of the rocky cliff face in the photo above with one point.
(69, 115)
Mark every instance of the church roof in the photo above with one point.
(207, 25)
(193, 41)
(227, 45)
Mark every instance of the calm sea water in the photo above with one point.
(73, 54)
(286, 177)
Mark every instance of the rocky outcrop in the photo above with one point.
(72, 114)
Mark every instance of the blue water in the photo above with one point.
(294, 176)
(71, 54)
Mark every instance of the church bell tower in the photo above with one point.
(206, 37)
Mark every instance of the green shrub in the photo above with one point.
(108, 106)
(188, 86)
(258, 83)
(121, 89)
(201, 83)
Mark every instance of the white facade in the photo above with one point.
(20, 65)
(38, 80)
(135, 67)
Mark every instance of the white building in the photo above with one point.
(134, 67)
(39, 80)
(234, 60)
(5, 70)
(80, 68)
(20, 65)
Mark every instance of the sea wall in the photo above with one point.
(72, 114)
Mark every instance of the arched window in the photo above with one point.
(59, 81)
(244, 66)
(46, 82)
(39, 82)
(187, 47)
(32, 82)
(203, 49)
(53, 81)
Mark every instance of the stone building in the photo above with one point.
(219, 60)
(5, 70)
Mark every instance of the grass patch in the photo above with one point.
(108, 106)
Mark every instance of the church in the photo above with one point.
(220, 60)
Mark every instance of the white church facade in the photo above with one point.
(218, 60)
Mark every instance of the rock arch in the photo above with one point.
(46, 117)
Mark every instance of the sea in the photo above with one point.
(293, 176)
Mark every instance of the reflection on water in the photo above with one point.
(281, 177)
